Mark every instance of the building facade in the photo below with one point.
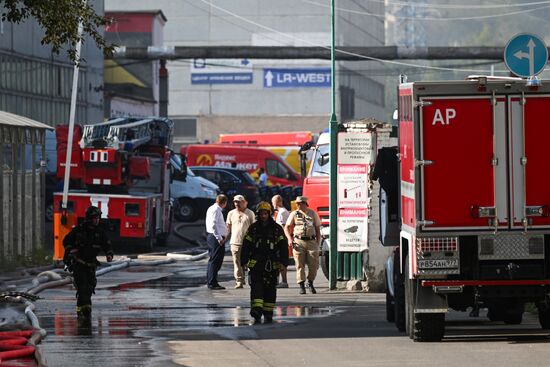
(209, 97)
(132, 87)
(36, 83)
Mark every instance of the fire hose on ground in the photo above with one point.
(20, 344)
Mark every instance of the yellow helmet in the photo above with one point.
(263, 205)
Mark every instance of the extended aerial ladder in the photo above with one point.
(126, 133)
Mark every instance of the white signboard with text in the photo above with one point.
(356, 148)
(356, 154)
(352, 186)
(353, 229)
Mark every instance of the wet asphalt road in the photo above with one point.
(164, 316)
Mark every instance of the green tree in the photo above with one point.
(59, 19)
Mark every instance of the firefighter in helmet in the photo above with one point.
(264, 252)
(82, 245)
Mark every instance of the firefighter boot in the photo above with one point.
(311, 287)
(302, 288)
(268, 319)
(257, 315)
(84, 320)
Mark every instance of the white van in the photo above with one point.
(191, 195)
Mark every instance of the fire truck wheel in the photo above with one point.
(390, 307)
(544, 316)
(324, 259)
(399, 296)
(429, 327)
(185, 211)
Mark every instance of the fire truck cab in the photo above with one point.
(474, 204)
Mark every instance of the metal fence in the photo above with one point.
(22, 186)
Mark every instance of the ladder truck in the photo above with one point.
(473, 200)
(123, 167)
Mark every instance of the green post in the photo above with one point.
(333, 193)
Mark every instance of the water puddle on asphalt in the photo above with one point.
(173, 318)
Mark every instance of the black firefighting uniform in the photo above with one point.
(264, 251)
(82, 245)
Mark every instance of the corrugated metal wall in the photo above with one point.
(22, 188)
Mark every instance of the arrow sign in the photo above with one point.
(525, 55)
(269, 79)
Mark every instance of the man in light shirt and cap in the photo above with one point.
(238, 221)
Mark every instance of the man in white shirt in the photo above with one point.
(238, 221)
(280, 219)
(262, 178)
(217, 234)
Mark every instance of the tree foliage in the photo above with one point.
(59, 19)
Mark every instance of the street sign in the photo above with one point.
(297, 78)
(525, 55)
(230, 71)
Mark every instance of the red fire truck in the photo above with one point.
(121, 166)
(474, 203)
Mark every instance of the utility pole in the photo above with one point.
(333, 131)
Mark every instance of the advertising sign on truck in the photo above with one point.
(244, 158)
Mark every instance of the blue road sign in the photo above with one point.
(221, 78)
(525, 55)
(231, 71)
(297, 78)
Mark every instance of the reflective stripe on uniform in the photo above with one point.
(257, 302)
(268, 306)
(83, 307)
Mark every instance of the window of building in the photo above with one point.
(185, 128)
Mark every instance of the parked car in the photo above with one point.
(232, 181)
(191, 195)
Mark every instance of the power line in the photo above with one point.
(454, 6)
(427, 18)
(342, 51)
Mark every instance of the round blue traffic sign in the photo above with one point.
(525, 55)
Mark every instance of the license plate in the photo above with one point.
(438, 264)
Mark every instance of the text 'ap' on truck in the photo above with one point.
(121, 166)
(474, 204)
